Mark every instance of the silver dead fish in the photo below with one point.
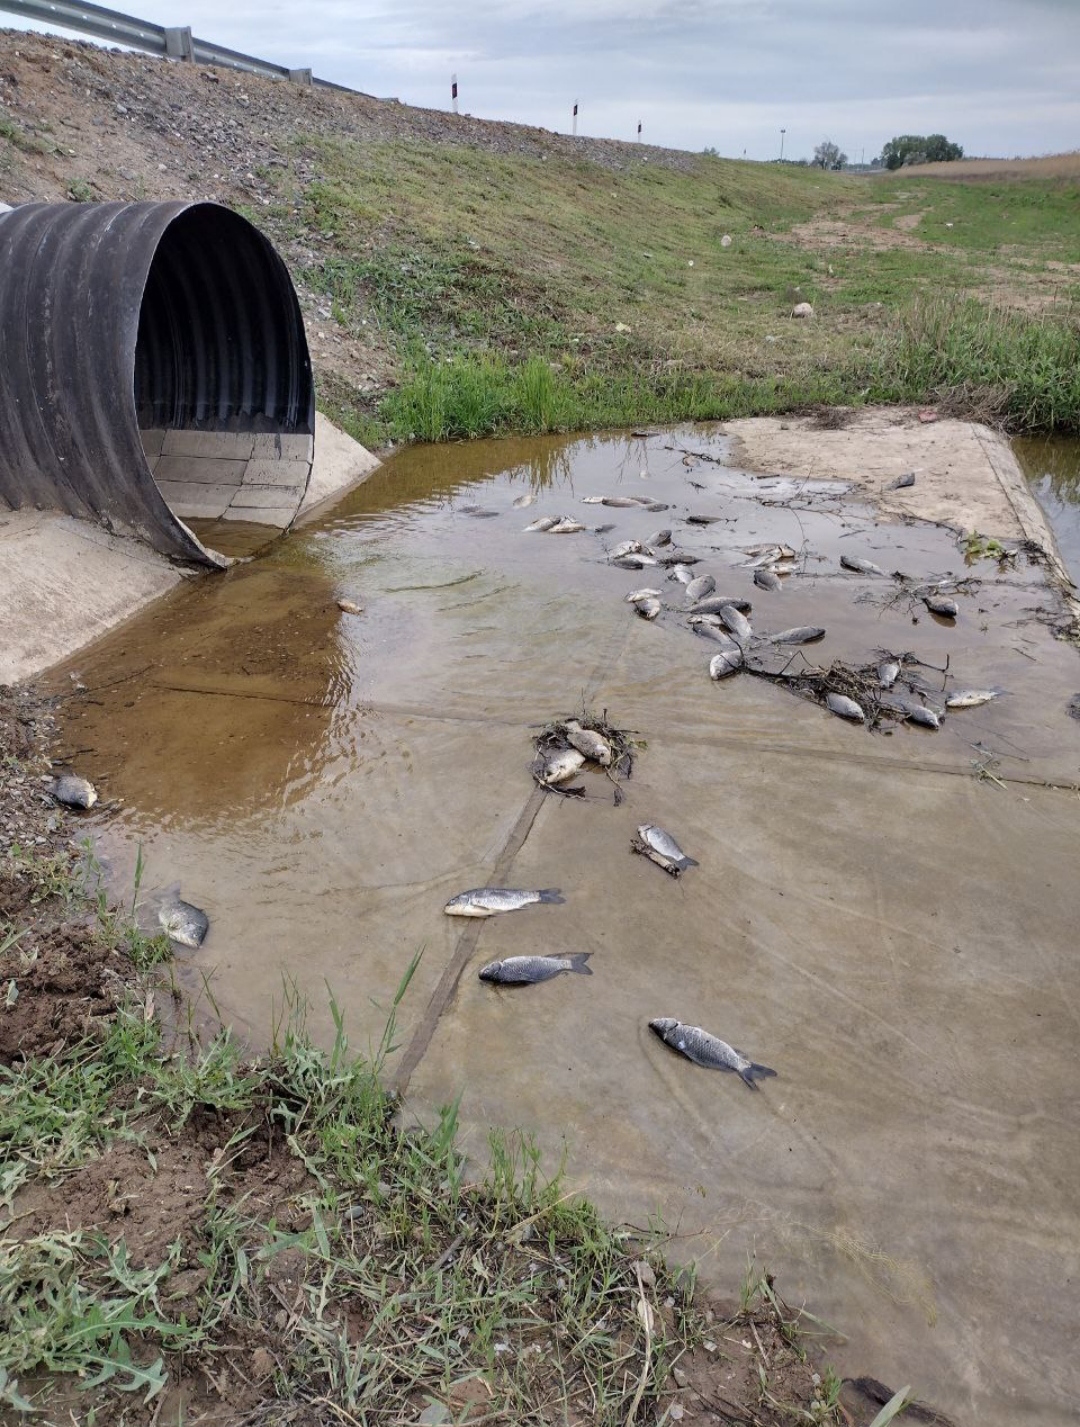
(566, 526)
(660, 847)
(184, 923)
(643, 594)
(888, 671)
(767, 579)
(844, 707)
(728, 661)
(527, 970)
(801, 634)
(659, 538)
(488, 901)
(860, 566)
(703, 625)
(699, 588)
(647, 609)
(902, 482)
(524, 500)
(634, 562)
(708, 1050)
(586, 740)
(937, 604)
(713, 604)
(681, 573)
(736, 621)
(544, 522)
(684, 558)
(558, 767)
(919, 713)
(970, 698)
(73, 792)
(625, 547)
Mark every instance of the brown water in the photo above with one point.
(892, 933)
(1052, 466)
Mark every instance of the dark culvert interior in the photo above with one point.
(175, 398)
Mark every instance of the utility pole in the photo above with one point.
(639, 131)
(453, 91)
(574, 131)
(782, 133)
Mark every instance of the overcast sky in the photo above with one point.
(1000, 77)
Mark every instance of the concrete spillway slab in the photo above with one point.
(153, 369)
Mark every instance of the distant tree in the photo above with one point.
(828, 155)
(908, 149)
(710, 152)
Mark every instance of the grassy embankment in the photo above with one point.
(183, 1232)
(529, 295)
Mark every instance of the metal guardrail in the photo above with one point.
(172, 42)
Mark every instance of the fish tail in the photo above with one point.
(689, 862)
(551, 894)
(755, 1072)
(578, 963)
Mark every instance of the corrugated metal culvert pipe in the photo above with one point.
(153, 369)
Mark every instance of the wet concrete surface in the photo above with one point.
(1052, 466)
(887, 919)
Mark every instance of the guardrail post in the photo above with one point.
(178, 43)
(300, 76)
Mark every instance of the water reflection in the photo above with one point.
(1052, 466)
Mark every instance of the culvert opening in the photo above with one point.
(223, 388)
(156, 375)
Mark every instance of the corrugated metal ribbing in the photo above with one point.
(116, 317)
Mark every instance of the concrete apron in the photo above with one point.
(66, 582)
(889, 930)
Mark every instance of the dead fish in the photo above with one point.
(736, 621)
(648, 609)
(844, 707)
(524, 500)
(682, 574)
(860, 566)
(601, 529)
(708, 1050)
(487, 901)
(643, 594)
(592, 500)
(713, 604)
(184, 923)
(586, 740)
(784, 567)
(888, 671)
(527, 970)
(728, 661)
(699, 588)
(693, 519)
(478, 512)
(703, 625)
(970, 698)
(902, 482)
(660, 847)
(653, 506)
(73, 792)
(937, 604)
(545, 522)
(679, 557)
(919, 713)
(801, 634)
(559, 767)
(350, 607)
(566, 526)
(634, 562)
(658, 539)
(766, 579)
(620, 502)
(625, 547)
(782, 552)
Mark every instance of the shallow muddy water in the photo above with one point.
(887, 919)
(1052, 466)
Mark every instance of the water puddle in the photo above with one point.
(885, 918)
(1052, 466)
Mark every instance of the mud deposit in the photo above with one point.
(886, 918)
